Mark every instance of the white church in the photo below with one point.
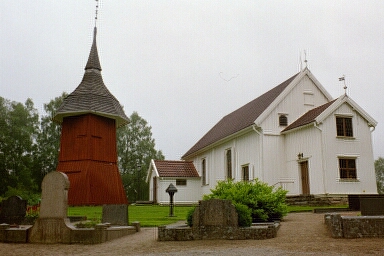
(295, 136)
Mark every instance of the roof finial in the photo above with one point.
(97, 9)
(345, 86)
(305, 66)
(305, 60)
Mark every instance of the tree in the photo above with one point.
(18, 131)
(379, 168)
(48, 140)
(136, 148)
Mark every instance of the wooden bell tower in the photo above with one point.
(89, 117)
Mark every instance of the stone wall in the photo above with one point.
(354, 226)
(317, 200)
(216, 219)
(100, 234)
(186, 233)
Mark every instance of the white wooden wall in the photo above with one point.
(189, 194)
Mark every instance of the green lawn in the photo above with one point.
(148, 215)
(156, 215)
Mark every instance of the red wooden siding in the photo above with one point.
(88, 137)
(93, 183)
(88, 156)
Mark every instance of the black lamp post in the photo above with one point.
(171, 190)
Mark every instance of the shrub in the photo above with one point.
(244, 215)
(190, 216)
(265, 202)
(87, 224)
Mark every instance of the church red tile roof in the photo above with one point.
(240, 118)
(167, 168)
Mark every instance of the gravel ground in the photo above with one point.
(299, 234)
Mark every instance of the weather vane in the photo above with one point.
(97, 7)
(345, 86)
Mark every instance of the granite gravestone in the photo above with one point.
(115, 214)
(52, 224)
(13, 210)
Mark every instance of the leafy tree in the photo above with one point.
(48, 140)
(379, 168)
(18, 131)
(136, 148)
(265, 202)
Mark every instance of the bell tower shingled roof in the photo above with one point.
(93, 60)
(91, 95)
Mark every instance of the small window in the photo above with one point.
(344, 126)
(229, 163)
(347, 168)
(245, 172)
(181, 182)
(283, 120)
(204, 172)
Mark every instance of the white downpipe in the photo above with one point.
(322, 157)
(261, 162)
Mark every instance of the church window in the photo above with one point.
(283, 120)
(344, 126)
(229, 163)
(347, 168)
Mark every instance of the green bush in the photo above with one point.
(190, 216)
(244, 215)
(265, 202)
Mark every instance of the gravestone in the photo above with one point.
(52, 224)
(115, 214)
(372, 205)
(13, 210)
(215, 213)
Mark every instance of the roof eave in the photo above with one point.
(223, 140)
(152, 165)
(58, 118)
(298, 128)
(345, 99)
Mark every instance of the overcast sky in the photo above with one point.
(183, 65)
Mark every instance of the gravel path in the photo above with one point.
(300, 234)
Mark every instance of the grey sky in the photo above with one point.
(171, 60)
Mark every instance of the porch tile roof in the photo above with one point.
(309, 117)
(239, 119)
(167, 168)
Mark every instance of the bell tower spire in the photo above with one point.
(93, 59)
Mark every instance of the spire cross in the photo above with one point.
(97, 8)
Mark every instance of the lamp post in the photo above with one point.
(171, 190)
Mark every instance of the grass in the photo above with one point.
(157, 215)
(148, 215)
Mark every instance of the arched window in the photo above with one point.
(283, 120)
